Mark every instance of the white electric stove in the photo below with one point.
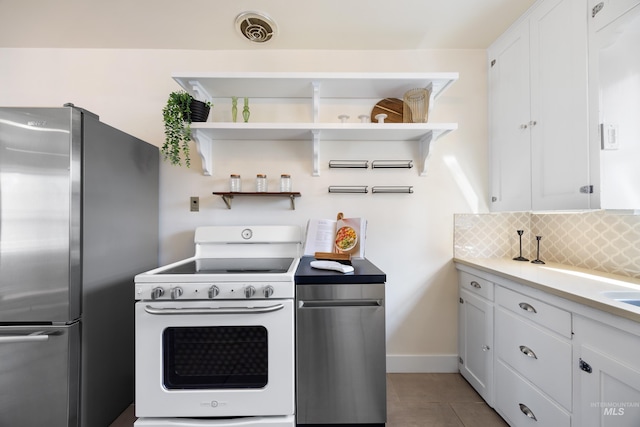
(215, 332)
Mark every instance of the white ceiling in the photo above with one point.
(302, 24)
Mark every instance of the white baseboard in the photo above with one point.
(431, 363)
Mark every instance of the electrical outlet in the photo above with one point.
(194, 204)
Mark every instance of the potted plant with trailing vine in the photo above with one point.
(180, 111)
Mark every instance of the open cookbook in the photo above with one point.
(340, 236)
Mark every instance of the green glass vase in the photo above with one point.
(245, 110)
(234, 108)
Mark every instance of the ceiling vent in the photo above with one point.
(256, 26)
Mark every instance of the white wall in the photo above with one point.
(410, 237)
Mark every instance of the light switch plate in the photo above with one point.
(609, 136)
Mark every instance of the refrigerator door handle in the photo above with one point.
(32, 337)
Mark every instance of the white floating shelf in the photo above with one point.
(328, 131)
(314, 86)
(425, 133)
(299, 85)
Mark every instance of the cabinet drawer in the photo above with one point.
(476, 285)
(515, 398)
(542, 358)
(535, 310)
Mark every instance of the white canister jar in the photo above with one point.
(261, 183)
(235, 184)
(285, 183)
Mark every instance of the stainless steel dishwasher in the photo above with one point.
(341, 361)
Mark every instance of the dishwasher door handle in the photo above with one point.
(340, 303)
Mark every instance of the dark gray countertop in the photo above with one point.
(364, 272)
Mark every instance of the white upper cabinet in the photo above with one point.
(539, 112)
(509, 116)
(614, 88)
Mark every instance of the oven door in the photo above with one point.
(214, 359)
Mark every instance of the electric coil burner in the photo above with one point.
(215, 332)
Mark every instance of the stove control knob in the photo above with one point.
(214, 291)
(176, 293)
(268, 291)
(157, 293)
(249, 291)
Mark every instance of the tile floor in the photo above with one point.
(436, 400)
(419, 400)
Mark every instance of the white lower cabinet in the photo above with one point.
(607, 375)
(475, 340)
(535, 310)
(533, 360)
(521, 404)
(542, 360)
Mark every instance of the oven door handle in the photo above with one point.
(213, 310)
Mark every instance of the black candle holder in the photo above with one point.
(520, 258)
(538, 260)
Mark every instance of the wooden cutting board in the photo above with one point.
(392, 107)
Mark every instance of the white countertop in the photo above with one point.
(576, 284)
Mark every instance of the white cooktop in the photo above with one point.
(230, 262)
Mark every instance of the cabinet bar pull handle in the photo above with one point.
(528, 352)
(527, 307)
(525, 410)
(475, 284)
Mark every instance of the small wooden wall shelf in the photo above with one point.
(228, 196)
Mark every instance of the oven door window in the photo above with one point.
(215, 357)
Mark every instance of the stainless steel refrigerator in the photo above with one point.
(78, 219)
